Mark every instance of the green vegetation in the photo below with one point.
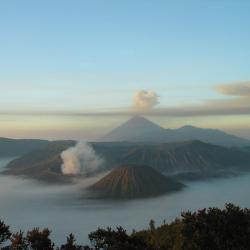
(206, 229)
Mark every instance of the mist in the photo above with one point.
(65, 209)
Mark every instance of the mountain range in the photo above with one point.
(140, 129)
(169, 158)
(182, 156)
(138, 141)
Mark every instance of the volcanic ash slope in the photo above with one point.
(134, 181)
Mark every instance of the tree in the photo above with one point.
(39, 240)
(217, 229)
(108, 239)
(206, 229)
(152, 225)
(70, 244)
(4, 232)
(18, 242)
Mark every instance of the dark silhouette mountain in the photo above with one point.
(214, 136)
(172, 158)
(139, 129)
(133, 128)
(16, 147)
(134, 181)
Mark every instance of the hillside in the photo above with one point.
(170, 158)
(246, 149)
(185, 156)
(134, 181)
(139, 129)
(43, 164)
(16, 147)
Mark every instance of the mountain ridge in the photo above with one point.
(136, 125)
(170, 158)
(15, 147)
(156, 134)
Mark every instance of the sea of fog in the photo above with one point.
(25, 204)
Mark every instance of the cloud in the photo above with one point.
(237, 102)
(144, 100)
(235, 89)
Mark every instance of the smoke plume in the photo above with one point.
(80, 159)
(144, 100)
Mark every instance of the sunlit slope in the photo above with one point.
(134, 181)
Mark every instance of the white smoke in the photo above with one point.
(144, 100)
(80, 159)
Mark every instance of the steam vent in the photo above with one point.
(134, 181)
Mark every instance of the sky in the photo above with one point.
(77, 69)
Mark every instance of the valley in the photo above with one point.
(64, 209)
(191, 160)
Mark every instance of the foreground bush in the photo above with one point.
(206, 229)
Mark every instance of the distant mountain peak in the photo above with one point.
(188, 127)
(132, 128)
(138, 118)
(141, 121)
(140, 129)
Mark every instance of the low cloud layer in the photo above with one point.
(235, 100)
(80, 159)
(235, 89)
(144, 100)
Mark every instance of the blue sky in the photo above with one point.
(92, 56)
